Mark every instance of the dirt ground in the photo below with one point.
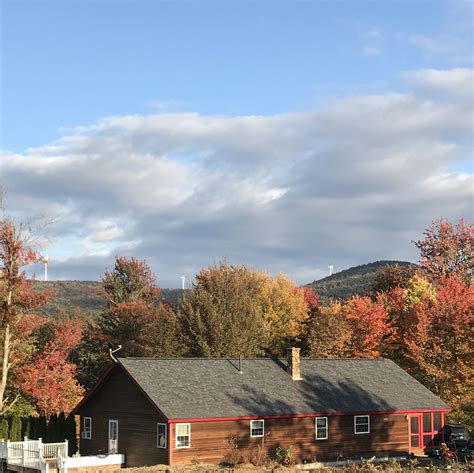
(421, 464)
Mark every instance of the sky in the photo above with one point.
(283, 135)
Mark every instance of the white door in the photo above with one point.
(113, 436)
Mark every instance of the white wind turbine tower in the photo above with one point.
(45, 262)
(331, 268)
(183, 281)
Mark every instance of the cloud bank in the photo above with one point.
(349, 183)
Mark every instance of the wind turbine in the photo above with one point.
(45, 262)
(183, 281)
(331, 267)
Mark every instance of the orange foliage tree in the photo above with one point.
(134, 317)
(448, 249)
(328, 333)
(48, 378)
(369, 322)
(18, 299)
(440, 342)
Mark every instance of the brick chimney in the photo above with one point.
(293, 365)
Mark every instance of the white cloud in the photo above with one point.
(457, 82)
(350, 183)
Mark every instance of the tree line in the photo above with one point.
(420, 317)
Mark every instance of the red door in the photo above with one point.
(415, 433)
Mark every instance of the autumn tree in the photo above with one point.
(18, 297)
(132, 296)
(48, 378)
(441, 343)
(133, 317)
(448, 249)
(370, 328)
(393, 275)
(328, 333)
(284, 311)
(130, 281)
(233, 310)
(311, 299)
(221, 314)
(142, 329)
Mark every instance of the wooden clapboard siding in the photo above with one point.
(210, 440)
(120, 399)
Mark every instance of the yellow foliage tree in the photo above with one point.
(234, 310)
(418, 290)
(284, 311)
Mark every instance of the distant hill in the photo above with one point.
(355, 281)
(84, 296)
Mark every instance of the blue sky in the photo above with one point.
(210, 114)
(71, 63)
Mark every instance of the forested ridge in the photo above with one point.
(355, 281)
(85, 295)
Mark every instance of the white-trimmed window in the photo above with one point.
(161, 435)
(362, 424)
(257, 428)
(183, 435)
(87, 428)
(321, 428)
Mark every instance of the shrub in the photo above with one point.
(4, 429)
(15, 429)
(284, 456)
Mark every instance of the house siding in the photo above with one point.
(118, 398)
(210, 440)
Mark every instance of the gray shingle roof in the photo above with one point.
(188, 388)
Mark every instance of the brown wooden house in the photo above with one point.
(207, 410)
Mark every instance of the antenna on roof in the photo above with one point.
(240, 364)
(112, 351)
(331, 268)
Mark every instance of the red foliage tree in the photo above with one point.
(18, 297)
(371, 330)
(311, 299)
(448, 249)
(441, 341)
(134, 317)
(48, 378)
(131, 280)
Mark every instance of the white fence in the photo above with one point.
(34, 454)
(92, 461)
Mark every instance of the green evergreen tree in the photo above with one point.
(15, 428)
(25, 427)
(32, 421)
(71, 434)
(61, 428)
(41, 428)
(4, 429)
(52, 432)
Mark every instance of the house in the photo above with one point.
(207, 410)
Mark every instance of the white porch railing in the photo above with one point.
(33, 454)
